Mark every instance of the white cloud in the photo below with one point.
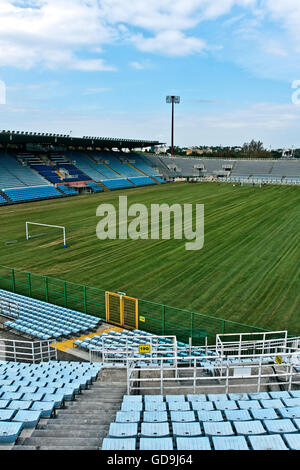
(170, 42)
(74, 34)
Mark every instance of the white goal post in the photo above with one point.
(46, 225)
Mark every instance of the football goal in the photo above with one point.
(28, 236)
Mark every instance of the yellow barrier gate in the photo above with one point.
(121, 310)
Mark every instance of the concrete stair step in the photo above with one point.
(67, 427)
(68, 433)
(70, 442)
(88, 421)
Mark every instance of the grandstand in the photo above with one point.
(266, 171)
(57, 169)
(243, 393)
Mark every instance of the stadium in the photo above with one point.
(138, 344)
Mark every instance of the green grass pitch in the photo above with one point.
(248, 270)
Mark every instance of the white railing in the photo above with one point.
(26, 351)
(226, 376)
(262, 343)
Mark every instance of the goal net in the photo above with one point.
(60, 228)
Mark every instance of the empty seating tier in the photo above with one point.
(30, 194)
(51, 385)
(221, 428)
(42, 320)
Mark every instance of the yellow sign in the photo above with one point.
(278, 360)
(143, 319)
(144, 348)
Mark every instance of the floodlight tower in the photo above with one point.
(173, 100)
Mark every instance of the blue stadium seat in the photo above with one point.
(9, 432)
(264, 413)
(193, 443)
(202, 405)
(179, 406)
(293, 441)
(218, 429)
(274, 442)
(182, 416)
(156, 443)
(123, 430)
(278, 426)
(118, 444)
(254, 427)
(292, 412)
(186, 429)
(29, 418)
(155, 417)
(128, 417)
(237, 415)
(230, 443)
(155, 429)
(196, 398)
(207, 416)
(248, 404)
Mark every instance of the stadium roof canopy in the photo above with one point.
(23, 138)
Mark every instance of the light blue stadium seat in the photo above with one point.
(248, 404)
(274, 442)
(264, 413)
(186, 429)
(272, 403)
(179, 406)
(155, 406)
(193, 443)
(6, 414)
(128, 417)
(237, 415)
(196, 398)
(9, 431)
(217, 397)
(156, 443)
(278, 426)
(29, 418)
(19, 405)
(155, 429)
(133, 398)
(226, 405)
(230, 443)
(46, 408)
(297, 423)
(280, 394)
(259, 396)
(155, 416)
(293, 441)
(254, 427)
(202, 405)
(118, 444)
(291, 402)
(207, 416)
(182, 416)
(238, 396)
(123, 430)
(175, 398)
(292, 412)
(218, 429)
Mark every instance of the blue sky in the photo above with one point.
(104, 67)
